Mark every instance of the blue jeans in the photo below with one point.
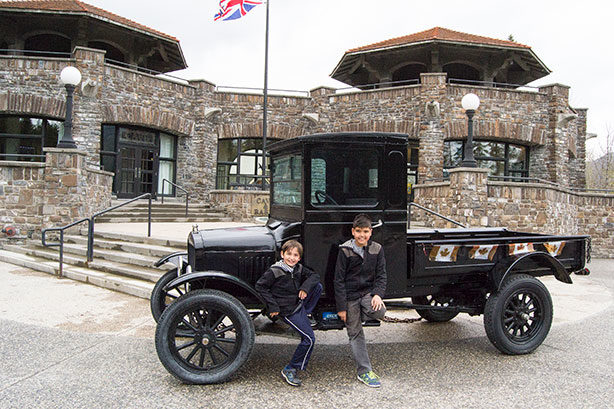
(300, 323)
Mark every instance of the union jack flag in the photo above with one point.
(234, 9)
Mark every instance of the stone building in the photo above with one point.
(136, 126)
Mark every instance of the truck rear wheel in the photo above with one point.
(204, 337)
(435, 301)
(518, 317)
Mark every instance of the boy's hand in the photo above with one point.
(377, 303)
(274, 314)
(342, 315)
(302, 294)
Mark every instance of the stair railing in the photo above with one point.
(60, 244)
(90, 230)
(409, 206)
(187, 194)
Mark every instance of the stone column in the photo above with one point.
(468, 196)
(557, 145)
(431, 134)
(65, 187)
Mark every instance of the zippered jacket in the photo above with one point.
(357, 276)
(280, 288)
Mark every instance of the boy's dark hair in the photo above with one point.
(292, 244)
(362, 220)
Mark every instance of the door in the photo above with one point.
(137, 171)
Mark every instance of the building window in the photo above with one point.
(23, 138)
(239, 164)
(501, 159)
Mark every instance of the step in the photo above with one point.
(125, 285)
(52, 255)
(153, 250)
(163, 219)
(134, 238)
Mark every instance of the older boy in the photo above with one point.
(360, 284)
(292, 291)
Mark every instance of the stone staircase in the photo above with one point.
(121, 262)
(169, 212)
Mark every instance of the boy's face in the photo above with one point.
(291, 256)
(361, 235)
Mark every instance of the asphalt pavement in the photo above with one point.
(65, 344)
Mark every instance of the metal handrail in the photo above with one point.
(61, 242)
(90, 230)
(90, 233)
(187, 194)
(431, 212)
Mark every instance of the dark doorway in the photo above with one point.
(137, 173)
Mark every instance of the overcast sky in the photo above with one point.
(308, 38)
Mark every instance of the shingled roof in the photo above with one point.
(441, 34)
(78, 7)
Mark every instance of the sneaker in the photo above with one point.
(312, 321)
(291, 376)
(370, 379)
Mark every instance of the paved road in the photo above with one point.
(69, 345)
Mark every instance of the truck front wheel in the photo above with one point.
(204, 337)
(435, 301)
(518, 317)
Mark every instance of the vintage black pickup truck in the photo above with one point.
(206, 307)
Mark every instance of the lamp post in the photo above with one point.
(70, 77)
(470, 103)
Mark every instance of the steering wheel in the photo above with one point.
(323, 197)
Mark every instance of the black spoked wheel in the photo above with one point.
(517, 319)
(204, 337)
(161, 299)
(435, 301)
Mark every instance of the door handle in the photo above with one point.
(379, 223)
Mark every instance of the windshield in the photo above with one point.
(287, 177)
(344, 178)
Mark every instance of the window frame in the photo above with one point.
(40, 137)
(508, 172)
(223, 182)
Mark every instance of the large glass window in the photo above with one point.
(240, 164)
(167, 164)
(23, 138)
(338, 179)
(287, 180)
(501, 159)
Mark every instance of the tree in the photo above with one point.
(600, 165)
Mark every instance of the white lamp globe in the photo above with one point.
(470, 102)
(70, 76)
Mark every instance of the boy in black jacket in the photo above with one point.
(292, 291)
(360, 284)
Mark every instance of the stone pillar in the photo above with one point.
(468, 196)
(65, 187)
(578, 165)
(431, 134)
(556, 148)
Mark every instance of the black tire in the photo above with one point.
(434, 315)
(204, 337)
(517, 319)
(161, 299)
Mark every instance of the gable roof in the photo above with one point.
(441, 34)
(78, 7)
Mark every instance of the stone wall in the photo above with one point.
(21, 199)
(541, 208)
(242, 204)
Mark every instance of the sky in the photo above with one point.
(308, 38)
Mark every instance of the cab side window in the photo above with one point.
(339, 178)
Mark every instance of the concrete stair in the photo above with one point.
(121, 262)
(168, 212)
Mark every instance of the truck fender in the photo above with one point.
(177, 258)
(217, 276)
(504, 268)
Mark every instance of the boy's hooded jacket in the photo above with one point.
(280, 288)
(357, 276)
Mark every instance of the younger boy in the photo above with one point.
(360, 284)
(292, 292)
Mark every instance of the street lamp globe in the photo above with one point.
(70, 76)
(470, 102)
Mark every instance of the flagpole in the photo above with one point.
(264, 104)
